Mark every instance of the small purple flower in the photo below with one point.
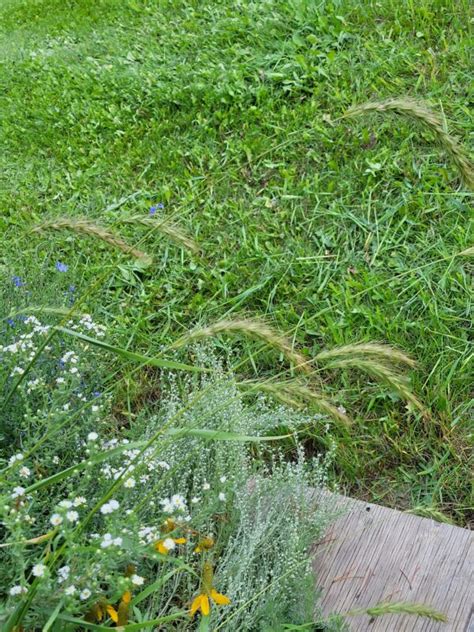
(96, 393)
(153, 209)
(17, 281)
(72, 289)
(61, 267)
(11, 322)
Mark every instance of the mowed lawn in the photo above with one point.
(336, 230)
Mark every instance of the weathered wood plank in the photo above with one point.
(373, 554)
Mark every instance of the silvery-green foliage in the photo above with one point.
(108, 514)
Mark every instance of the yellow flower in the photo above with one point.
(205, 544)
(120, 617)
(168, 525)
(202, 601)
(165, 545)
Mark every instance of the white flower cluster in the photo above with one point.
(25, 344)
(109, 540)
(88, 324)
(131, 461)
(177, 502)
(17, 590)
(67, 513)
(15, 458)
(70, 358)
(110, 506)
(33, 385)
(147, 535)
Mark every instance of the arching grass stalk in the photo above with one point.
(251, 327)
(417, 111)
(298, 395)
(367, 350)
(399, 607)
(384, 373)
(170, 229)
(83, 226)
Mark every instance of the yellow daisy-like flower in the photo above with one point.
(120, 616)
(203, 601)
(165, 545)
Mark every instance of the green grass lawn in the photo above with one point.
(335, 230)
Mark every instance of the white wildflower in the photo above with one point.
(24, 471)
(18, 491)
(39, 570)
(63, 574)
(70, 590)
(169, 544)
(72, 516)
(56, 520)
(92, 436)
(167, 505)
(17, 590)
(107, 541)
(85, 594)
(15, 458)
(137, 580)
(178, 502)
(110, 507)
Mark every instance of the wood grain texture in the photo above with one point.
(373, 554)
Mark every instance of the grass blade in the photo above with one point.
(130, 355)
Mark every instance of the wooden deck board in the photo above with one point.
(373, 554)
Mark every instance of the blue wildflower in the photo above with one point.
(153, 209)
(61, 267)
(17, 281)
(11, 322)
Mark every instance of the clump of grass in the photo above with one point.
(417, 111)
(417, 609)
(84, 226)
(298, 395)
(171, 230)
(254, 328)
